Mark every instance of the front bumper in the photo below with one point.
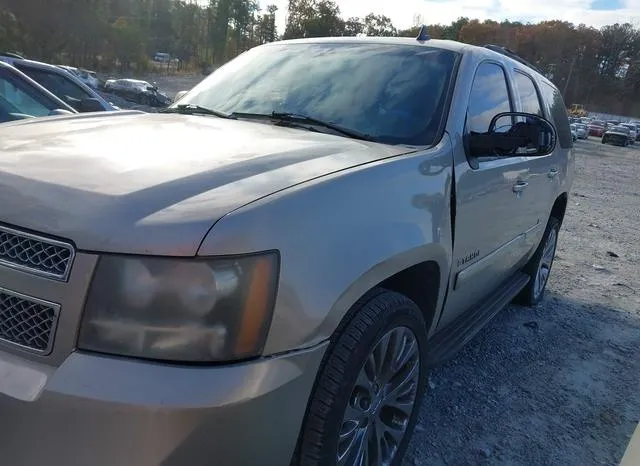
(99, 410)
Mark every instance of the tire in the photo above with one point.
(343, 392)
(539, 267)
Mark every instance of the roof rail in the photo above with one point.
(12, 55)
(511, 54)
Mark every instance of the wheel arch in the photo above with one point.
(560, 207)
(418, 274)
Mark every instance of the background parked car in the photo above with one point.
(618, 135)
(138, 91)
(21, 97)
(88, 77)
(633, 132)
(582, 131)
(597, 128)
(574, 132)
(65, 85)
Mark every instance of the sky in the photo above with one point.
(402, 12)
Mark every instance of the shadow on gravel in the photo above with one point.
(557, 384)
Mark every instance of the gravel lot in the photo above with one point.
(558, 384)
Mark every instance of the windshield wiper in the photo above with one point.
(191, 109)
(296, 117)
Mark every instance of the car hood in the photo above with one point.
(155, 183)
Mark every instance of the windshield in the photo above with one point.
(393, 94)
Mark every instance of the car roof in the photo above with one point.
(454, 46)
(58, 70)
(436, 43)
(32, 63)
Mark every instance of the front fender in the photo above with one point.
(341, 235)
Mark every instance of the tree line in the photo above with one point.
(599, 68)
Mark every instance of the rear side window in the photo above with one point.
(558, 113)
(489, 96)
(63, 87)
(17, 97)
(529, 99)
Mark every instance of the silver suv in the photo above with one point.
(264, 273)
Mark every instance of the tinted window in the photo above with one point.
(528, 94)
(395, 94)
(17, 98)
(64, 88)
(558, 112)
(489, 96)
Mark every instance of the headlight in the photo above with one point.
(180, 309)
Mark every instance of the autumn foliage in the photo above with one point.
(599, 68)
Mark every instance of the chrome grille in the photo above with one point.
(35, 254)
(27, 322)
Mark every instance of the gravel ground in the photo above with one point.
(558, 384)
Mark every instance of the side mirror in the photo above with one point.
(90, 105)
(514, 134)
(179, 95)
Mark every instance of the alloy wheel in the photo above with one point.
(381, 402)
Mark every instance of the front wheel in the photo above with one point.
(369, 388)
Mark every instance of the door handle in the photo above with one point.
(520, 186)
(552, 173)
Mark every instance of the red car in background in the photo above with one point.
(597, 128)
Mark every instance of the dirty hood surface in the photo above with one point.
(154, 183)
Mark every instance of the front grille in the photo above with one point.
(30, 253)
(27, 322)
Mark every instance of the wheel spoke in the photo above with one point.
(389, 440)
(350, 451)
(546, 259)
(348, 429)
(381, 355)
(362, 456)
(407, 349)
(376, 447)
(402, 396)
(364, 380)
(549, 248)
